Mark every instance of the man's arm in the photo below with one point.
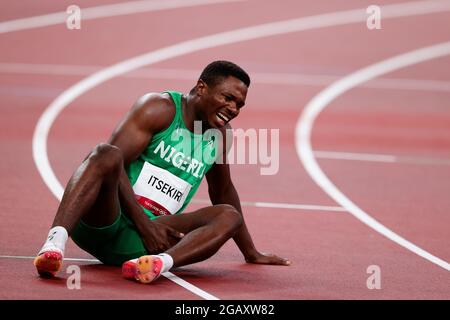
(149, 115)
(222, 191)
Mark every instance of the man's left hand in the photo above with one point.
(267, 258)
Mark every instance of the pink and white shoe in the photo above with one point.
(145, 269)
(48, 263)
(129, 269)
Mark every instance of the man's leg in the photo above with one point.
(91, 195)
(206, 230)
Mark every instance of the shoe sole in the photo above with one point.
(48, 263)
(148, 269)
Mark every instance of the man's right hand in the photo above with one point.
(158, 237)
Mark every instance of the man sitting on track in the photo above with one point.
(123, 204)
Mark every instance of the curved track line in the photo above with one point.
(278, 205)
(323, 99)
(290, 79)
(110, 10)
(46, 120)
(244, 34)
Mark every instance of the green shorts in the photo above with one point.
(113, 244)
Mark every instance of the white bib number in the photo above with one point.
(160, 191)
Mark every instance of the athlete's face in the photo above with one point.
(222, 102)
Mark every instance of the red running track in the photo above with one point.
(405, 113)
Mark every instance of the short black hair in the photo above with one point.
(217, 70)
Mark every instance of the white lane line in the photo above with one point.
(323, 99)
(323, 79)
(417, 160)
(408, 84)
(168, 275)
(185, 284)
(277, 205)
(65, 259)
(257, 77)
(110, 10)
(355, 156)
(244, 34)
(293, 206)
(372, 157)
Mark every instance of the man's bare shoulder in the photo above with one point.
(154, 111)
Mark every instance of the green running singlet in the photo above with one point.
(167, 174)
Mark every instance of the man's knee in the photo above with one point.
(230, 217)
(106, 157)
